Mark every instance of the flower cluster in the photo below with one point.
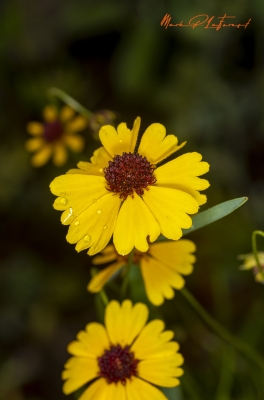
(129, 193)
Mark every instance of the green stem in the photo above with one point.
(255, 250)
(104, 297)
(55, 92)
(237, 343)
(127, 276)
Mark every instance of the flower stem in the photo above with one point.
(127, 275)
(255, 250)
(55, 92)
(221, 331)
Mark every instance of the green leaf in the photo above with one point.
(212, 214)
(172, 393)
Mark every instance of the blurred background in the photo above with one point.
(206, 87)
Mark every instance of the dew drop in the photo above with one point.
(69, 194)
(120, 141)
(101, 170)
(68, 216)
(76, 223)
(123, 254)
(87, 238)
(105, 227)
(63, 201)
(99, 211)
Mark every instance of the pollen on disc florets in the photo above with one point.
(117, 364)
(128, 173)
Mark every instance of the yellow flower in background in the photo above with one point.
(58, 131)
(161, 267)
(126, 357)
(250, 263)
(122, 192)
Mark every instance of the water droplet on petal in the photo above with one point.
(123, 254)
(101, 170)
(120, 141)
(87, 238)
(105, 227)
(99, 211)
(68, 216)
(63, 201)
(76, 223)
(69, 194)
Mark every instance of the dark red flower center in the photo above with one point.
(52, 131)
(129, 173)
(117, 364)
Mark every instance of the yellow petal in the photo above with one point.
(137, 389)
(90, 343)
(42, 156)
(134, 223)
(35, 128)
(50, 113)
(107, 254)
(170, 208)
(125, 322)
(120, 141)
(76, 125)
(94, 226)
(182, 174)
(153, 343)
(162, 372)
(60, 154)
(66, 113)
(115, 391)
(34, 144)
(74, 142)
(97, 390)
(82, 372)
(77, 193)
(99, 280)
(175, 255)
(156, 146)
(101, 158)
(159, 280)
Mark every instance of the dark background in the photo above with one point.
(206, 87)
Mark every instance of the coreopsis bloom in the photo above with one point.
(250, 263)
(162, 267)
(58, 131)
(123, 193)
(125, 358)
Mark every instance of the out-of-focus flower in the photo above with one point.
(100, 118)
(125, 358)
(122, 192)
(161, 267)
(250, 263)
(58, 131)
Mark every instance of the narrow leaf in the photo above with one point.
(211, 215)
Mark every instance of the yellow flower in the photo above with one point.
(125, 357)
(122, 193)
(51, 137)
(161, 267)
(250, 263)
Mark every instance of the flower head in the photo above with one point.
(100, 118)
(51, 137)
(123, 192)
(250, 263)
(162, 267)
(126, 357)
